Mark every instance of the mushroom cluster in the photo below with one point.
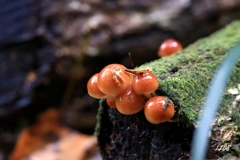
(130, 91)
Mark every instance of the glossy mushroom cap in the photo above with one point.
(128, 102)
(112, 80)
(169, 47)
(111, 103)
(145, 83)
(159, 109)
(93, 88)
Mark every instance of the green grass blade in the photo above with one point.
(218, 84)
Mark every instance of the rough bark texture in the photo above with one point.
(184, 78)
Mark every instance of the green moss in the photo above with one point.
(99, 118)
(185, 76)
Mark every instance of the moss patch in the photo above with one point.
(185, 76)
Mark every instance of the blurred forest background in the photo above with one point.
(50, 48)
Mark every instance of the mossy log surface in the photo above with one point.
(185, 78)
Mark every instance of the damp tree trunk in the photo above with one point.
(185, 79)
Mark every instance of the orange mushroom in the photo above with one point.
(159, 109)
(112, 80)
(111, 103)
(169, 47)
(93, 88)
(128, 102)
(145, 82)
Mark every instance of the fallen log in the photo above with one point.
(184, 78)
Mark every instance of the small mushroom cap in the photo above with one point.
(112, 80)
(159, 109)
(93, 89)
(145, 83)
(169, 47)
(111, 103)
(128, 102)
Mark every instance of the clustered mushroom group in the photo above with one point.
(129, 91)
